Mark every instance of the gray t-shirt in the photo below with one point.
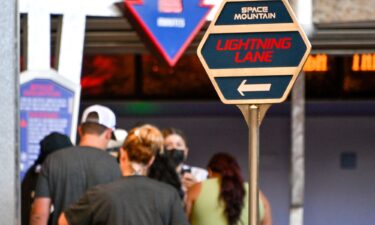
(67, 174)
(132, 200)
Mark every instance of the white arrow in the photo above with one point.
(252, 87)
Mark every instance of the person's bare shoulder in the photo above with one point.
(191, 195)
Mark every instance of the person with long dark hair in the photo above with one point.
(222, 199)
(164, 170)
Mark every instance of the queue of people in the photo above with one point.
(147, 182)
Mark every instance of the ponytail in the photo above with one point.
(232, 190)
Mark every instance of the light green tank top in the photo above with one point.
(208, 209)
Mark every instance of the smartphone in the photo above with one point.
(185, 170)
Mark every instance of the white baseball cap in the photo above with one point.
(106, 117)
(120, 135)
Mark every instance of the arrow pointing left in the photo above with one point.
(252, 87)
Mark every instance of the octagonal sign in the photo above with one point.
(253, 51)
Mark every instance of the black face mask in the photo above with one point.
(175, 155)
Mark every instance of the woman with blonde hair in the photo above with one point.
(135, 199)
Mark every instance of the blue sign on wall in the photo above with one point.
(45, 106)
(170, 25)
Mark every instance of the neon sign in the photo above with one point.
(316, 63)
(363, 62)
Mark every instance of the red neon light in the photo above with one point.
(170, 6)
(253, 44)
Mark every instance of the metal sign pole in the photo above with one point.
(254, 115)
(240, 77)
(253, 164)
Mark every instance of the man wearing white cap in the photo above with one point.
(68, 173)
(114, 145)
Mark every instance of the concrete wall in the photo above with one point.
(332, 11)
(335, 195)
(9, 71)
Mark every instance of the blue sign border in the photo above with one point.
(170, 43)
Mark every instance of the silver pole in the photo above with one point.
(297, 156)
(304, 14)
(9, 71)
(254, 117)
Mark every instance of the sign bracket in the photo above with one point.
(263, 108)
(254, 115)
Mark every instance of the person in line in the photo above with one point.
(49, 144)
(222, 199)
(67, 174)
(135, 199)
(163, 169)
(175, 143)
